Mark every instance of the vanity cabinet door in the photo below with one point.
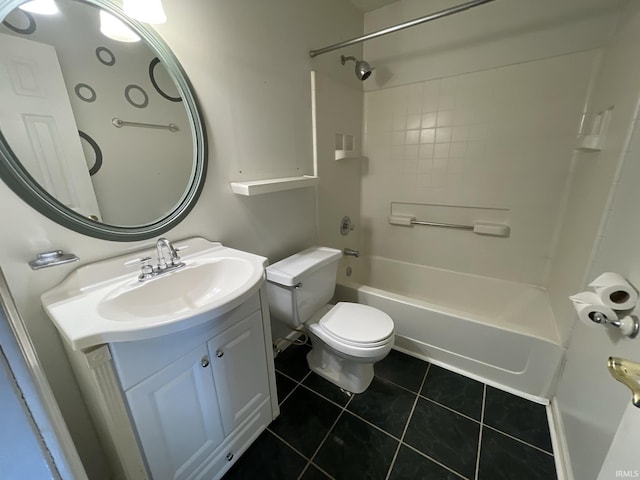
(176, 415)
(240, 370)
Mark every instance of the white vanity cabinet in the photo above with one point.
(184, 405)
(176, 415)
(239, 370)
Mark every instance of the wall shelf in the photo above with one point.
(343, 154)
(260, 187)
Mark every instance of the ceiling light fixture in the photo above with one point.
(115, 29)
(147, 11)
(42, 7)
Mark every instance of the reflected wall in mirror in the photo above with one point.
(99, 124)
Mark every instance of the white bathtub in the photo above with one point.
(497, 331)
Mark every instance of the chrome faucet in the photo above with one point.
(164, 265)
(351, 253)
(173, 261)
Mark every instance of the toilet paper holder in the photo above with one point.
(628, 325)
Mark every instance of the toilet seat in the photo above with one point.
(356, 325)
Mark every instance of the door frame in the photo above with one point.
(25, 366)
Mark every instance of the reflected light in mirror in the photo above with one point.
(115, 29)
(148, 11)
(42, 7)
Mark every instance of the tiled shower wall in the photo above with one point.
(498, 138)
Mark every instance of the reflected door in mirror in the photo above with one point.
(37, 118)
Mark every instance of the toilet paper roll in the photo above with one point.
(587, 304)
(614, 291)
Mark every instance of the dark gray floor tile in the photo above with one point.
(305, 418)
(445, 436)
(385, 405)
(284, 386)
(456, 391)
(293, 361)
(313, 473)
(326, 388)
(402, 370)
(518, 417)
(410, 465)
(355, 450)
(503, 458)
(267, 459)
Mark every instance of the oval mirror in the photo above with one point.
(101, 131)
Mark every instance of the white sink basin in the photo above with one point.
(104, 302)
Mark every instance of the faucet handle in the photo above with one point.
(146, 268)
(176, 260)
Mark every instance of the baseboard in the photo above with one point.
(559, 442)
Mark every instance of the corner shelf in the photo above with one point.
(260, 187)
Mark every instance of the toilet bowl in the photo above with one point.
(344, 351)
(347, 338)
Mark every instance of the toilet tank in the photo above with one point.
(299, 285)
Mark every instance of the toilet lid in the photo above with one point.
(357, 323)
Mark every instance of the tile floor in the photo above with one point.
(415, 421)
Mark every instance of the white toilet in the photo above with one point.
(347, 338)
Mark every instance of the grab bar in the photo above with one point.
(481, 228)
(172, 127)
(443, 225)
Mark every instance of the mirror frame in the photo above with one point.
(23, 184)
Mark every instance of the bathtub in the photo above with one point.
(499, 332)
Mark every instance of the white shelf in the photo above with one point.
(260, 187)
(590, 143)
(343, 154)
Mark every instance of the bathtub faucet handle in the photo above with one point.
(351, 253)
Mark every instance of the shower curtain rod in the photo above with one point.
(433, 16)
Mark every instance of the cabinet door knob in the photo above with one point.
(204, 362)
(229, 456)
(219, 353)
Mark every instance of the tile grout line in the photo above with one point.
(349, 411)
(398, 385)
(406, 426)
(298, 383)
(307, 387)
(422, 454)
(541, 450)
(449, 408)
(484, 397)
(430, 399)
(287, 444)
(293, 379)
(343, 409)
(309, 462)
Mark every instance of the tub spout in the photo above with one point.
(351, 253)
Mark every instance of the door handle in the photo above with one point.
(628, 373)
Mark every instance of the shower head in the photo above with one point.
(363, 69)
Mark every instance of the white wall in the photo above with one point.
(217, 43)
(338, 111)
(488, 36)
(617, 85)
(590, 400)
(480, 109)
